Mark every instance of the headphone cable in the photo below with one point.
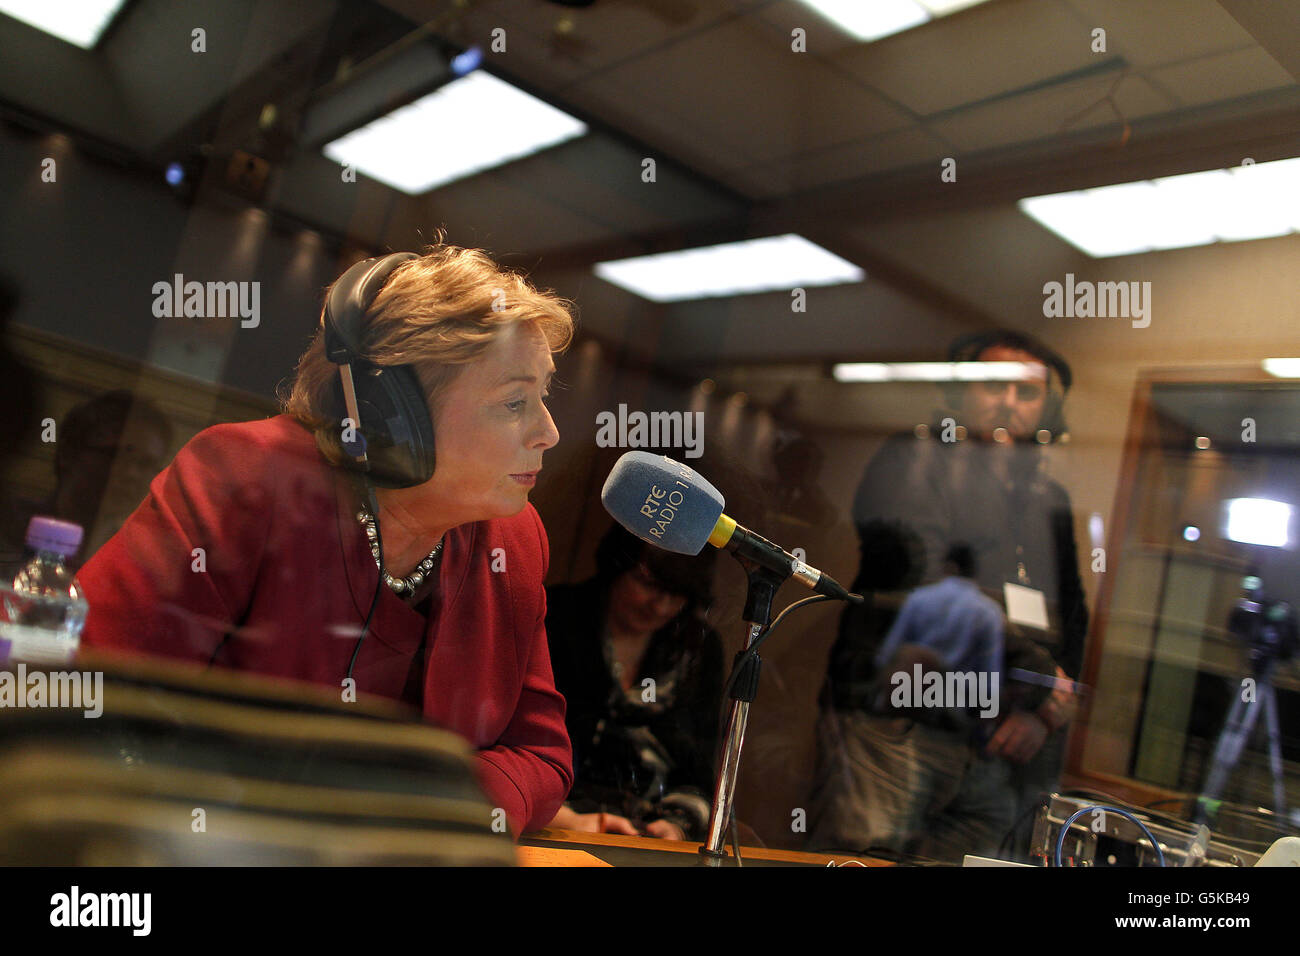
(379, 582)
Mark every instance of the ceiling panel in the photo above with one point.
(823, 37)
(665, 135)
(995, 258)
(741, 83)
(595, 38)
(982, 52)
(582, 192)
(149, 57)
(507, 213)
(1275, 26)
(901, 148)
(1046, 113)
(1165, 31)
(852, 322)
(1222, 76)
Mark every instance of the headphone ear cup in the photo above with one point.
(1053, 418)
(395, 421)
(397, 426)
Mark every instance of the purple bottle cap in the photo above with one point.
(51, 534)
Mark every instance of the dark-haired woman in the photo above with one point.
(641, 671)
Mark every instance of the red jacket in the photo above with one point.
(285, 569)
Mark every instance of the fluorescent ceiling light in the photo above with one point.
(734, 268)
(860, 372)
(1258, 521)
(1195, 209)
(80, 22)
(1282, 367)
(475, 123)
(937, 371)
(873, 19)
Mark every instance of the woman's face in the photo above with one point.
(637, 605)
(491, 428)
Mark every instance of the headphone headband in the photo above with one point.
(396, 442)
(968, 349)
(350, 299)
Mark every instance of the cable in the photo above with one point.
(752, 651)
(379, 582)
(1065, 828)
(1003, 846)
(750, 654)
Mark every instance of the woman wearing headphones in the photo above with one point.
(330, 543)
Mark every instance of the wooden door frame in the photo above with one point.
(1139, 434)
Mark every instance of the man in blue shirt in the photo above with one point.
(925, 785)
(953, 618)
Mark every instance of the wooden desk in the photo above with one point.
(555, 848)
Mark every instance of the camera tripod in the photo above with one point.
(1236, 733)
(1268, 628)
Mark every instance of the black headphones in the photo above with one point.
(968, 349)
(386, 403)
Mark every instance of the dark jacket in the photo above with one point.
(918, 497)
(608, 731)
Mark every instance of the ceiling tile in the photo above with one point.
(741, 83)
(1223, 76)
(811, 170)
(664, 134)
(577, 41)
(1155, 33)
(823, 37)
(1046, 113)
(975, 54)
(510, 217)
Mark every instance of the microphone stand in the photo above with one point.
(763, 584)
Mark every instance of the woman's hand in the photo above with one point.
(566, 819)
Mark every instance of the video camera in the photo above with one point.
(1267, 627)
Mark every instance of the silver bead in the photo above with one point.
(400, 586)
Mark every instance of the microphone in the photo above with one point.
(671, 506)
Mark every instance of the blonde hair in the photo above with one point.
(436, 313)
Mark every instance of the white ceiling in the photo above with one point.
(723, 92)
(841, 143)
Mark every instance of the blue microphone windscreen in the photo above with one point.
(662, 501)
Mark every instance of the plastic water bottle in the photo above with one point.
(44, 611)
